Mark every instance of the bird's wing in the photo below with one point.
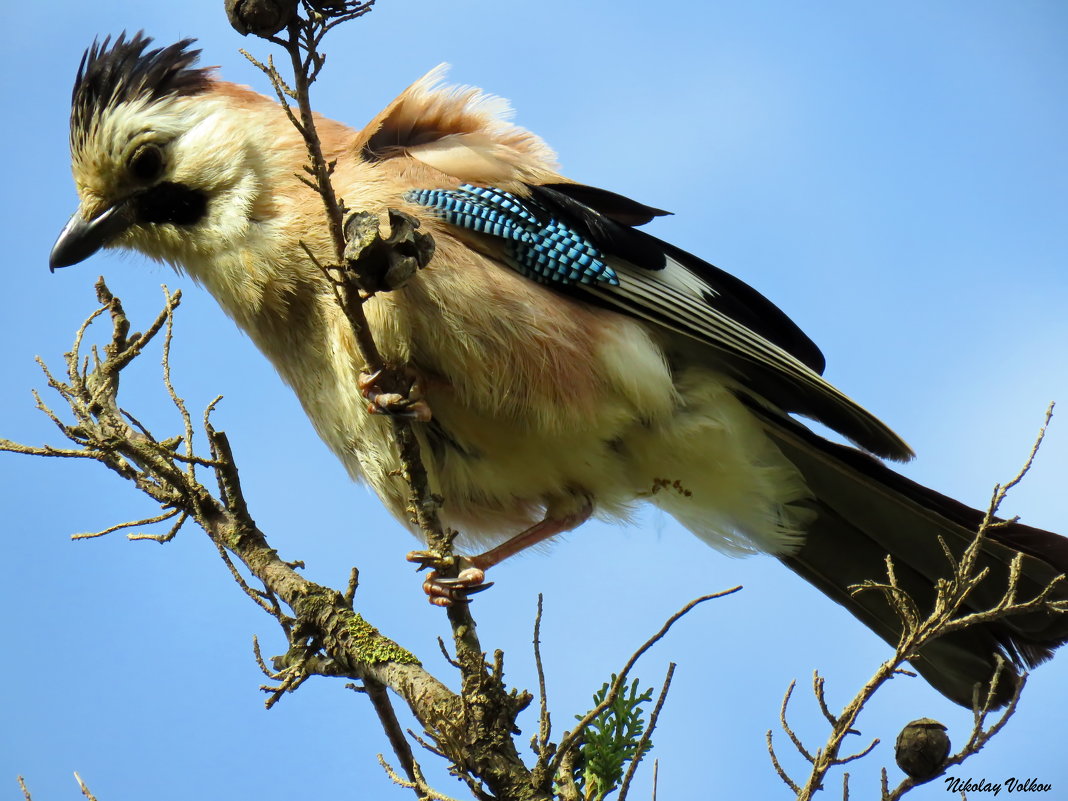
(497, 180)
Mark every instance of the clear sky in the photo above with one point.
(893, 175)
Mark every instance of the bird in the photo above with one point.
(572, 364)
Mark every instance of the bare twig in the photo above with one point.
(544, 722)
(818, 686)
(572, 738)
(423, 792)
(1001, 491)
(131, 524)
(779, 768)
(643, 741)
(353, 585)
(376, 692)
(167, 536)
(786, 726)
(84, 788)
(445, 653)
(258, 597)
(271, 674)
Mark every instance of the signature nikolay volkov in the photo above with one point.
(1012, 785)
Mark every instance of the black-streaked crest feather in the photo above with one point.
(124, 70)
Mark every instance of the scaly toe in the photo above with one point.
(446, 591)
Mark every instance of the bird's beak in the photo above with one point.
(81, 238)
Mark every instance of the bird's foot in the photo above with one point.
(384, 264)
(561, 516)
(396, 392)
(444, 590)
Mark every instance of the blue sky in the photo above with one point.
(892, 175)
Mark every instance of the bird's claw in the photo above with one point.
(446, 591)
(449, 590)
(397, 405)
(394, 392)
(461, 582)
(425, 559)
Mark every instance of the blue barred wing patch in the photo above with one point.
(540, 246)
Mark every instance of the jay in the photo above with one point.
(574, 365)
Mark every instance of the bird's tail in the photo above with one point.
(865, 511)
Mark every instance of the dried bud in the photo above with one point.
(260, 17)
(922, 748)
(382, 265)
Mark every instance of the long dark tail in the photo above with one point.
(866, 511)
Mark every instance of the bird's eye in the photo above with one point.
(146, 164)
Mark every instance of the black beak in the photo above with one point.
(80, 238)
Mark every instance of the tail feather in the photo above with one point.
(865, 511)
(952, 664)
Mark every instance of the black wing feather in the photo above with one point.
(755, 341)
(729, 295)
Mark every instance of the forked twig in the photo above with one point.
(571, 739)
(917, 631)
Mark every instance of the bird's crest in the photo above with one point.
(111, 73)
(459, 130)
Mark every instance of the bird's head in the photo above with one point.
(163, 160)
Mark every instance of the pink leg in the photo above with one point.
(443, 591)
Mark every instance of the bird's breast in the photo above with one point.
(531, 393)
